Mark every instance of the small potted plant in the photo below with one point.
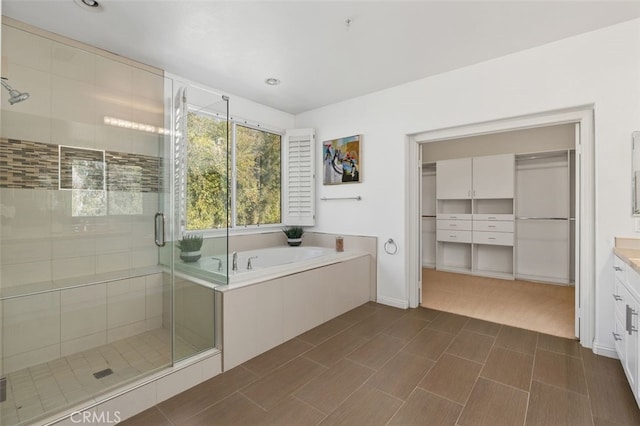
(294, 235)
(190, 246)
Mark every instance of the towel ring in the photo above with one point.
(391, 247)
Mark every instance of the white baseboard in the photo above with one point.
(396, 303)
(607, 351)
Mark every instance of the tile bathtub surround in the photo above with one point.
(421, 366)
(33, 165)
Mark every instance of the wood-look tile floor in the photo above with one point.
(377, 365)
(546, 308)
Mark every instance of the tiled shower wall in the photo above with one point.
(41, 327)
(44, 235)
(77, 196)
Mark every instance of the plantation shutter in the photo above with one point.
(180, 160)
(299, 178)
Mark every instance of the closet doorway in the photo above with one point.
(498, 227)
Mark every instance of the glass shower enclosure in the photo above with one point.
(90, 215)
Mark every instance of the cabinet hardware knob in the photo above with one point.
(452, 236)
(492, 238)
(617, 268)
(491, 226)
(617, 297)
(616, 336)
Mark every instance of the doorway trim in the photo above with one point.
(585, 216)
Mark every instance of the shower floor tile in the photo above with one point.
(48, 387)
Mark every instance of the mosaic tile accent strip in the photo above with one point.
(34, 165)
(133, 172)
(28, 164)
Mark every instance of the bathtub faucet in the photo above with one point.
(235, 261)
(249, 262)
(219, 263)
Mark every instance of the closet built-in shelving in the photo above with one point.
(503, 216)
(474, 215)
(429, 215)
(545, 216)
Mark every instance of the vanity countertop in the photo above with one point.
(628, 249)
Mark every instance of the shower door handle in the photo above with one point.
(158, 226)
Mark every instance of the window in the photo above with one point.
(255, 187)
(258, 177)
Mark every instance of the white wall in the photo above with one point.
(239, 107)
(600, 68)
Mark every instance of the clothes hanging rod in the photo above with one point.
(542, 218)
(358, 197)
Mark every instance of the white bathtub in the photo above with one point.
(266, 263)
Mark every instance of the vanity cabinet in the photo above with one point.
(626, 295)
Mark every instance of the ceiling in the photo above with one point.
(234, 46)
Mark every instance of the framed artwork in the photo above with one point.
(342, 160)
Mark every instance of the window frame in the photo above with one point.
(233, 228)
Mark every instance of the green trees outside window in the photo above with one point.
(257, 177)
(257, 184)
(206, 192)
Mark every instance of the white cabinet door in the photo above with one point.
(626, 324)
(453, 178)
(493, 176)
(630, 322)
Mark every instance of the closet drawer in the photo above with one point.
(453, 236)
(494, 226)
(492, 217)
(454, 216)
(461, 225)
(493, 238)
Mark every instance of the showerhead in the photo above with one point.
(15, 96)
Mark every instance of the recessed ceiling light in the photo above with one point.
(272, 81)
(91, 5)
